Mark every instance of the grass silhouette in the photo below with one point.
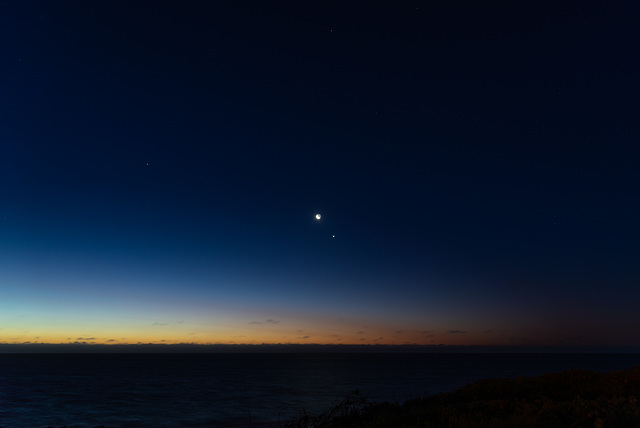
(573, 398)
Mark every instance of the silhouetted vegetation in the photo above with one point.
(574, 398)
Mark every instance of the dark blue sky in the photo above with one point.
(475, 165)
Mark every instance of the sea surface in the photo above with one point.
(224, 390)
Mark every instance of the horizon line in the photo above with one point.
(7, 348)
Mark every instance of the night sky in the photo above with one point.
(476, 168)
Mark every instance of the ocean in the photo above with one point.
(224, 390)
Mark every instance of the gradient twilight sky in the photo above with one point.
(476, 167)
